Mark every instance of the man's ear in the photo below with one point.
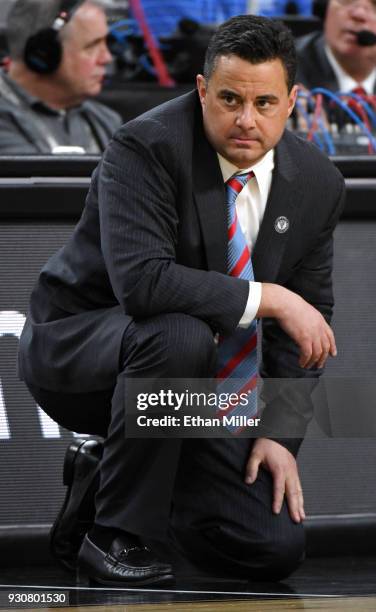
(201, 88)
(292, 99)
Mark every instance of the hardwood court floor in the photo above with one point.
(335, 604)
(342, 583)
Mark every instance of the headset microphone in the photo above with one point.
(366, 38)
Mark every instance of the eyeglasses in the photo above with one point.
(370, 5)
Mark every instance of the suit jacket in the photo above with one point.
(153, 239)
(314, 69)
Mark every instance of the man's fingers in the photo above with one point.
(316, 351)
(295, 501)
(302, 511)
(283, 469)
(332, 340)
(308, 328)
(252, 469)
(324, 354)
(305, 353)
(278, 490)
(328, 347)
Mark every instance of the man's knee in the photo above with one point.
(181, 345)
(272, 557)
(286, 553)
(245, 555)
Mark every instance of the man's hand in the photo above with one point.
(282, 466)
(301, 321)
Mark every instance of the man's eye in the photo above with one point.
(263, 103)
(229, 100)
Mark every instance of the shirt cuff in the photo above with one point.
(252, 306)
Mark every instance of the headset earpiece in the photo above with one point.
(43, 51)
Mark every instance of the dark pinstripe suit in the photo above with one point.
(139, 290)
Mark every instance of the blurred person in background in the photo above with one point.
(334, 59)
(58, 58)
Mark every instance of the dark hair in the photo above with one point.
(255, 39)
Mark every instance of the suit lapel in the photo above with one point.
(210, 198)
(325, 76)
(209, 194)
(283, 201)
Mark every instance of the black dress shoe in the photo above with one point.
(81, 476)
(127, 563)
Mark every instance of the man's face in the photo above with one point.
(245, 107)
(85, 53)
(343, 19)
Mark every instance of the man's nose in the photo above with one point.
(105, 57)
(247, 117)
(361, 10)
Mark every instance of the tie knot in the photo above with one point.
(359, 90)
(237, 181)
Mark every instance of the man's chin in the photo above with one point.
(350, 50)
(245, 157)
(94, 90)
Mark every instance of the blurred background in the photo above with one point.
(158, 48)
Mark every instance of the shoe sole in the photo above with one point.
(84, 580)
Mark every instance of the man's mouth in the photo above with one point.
(244, 139)
(352, 34)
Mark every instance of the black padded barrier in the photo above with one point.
(37, 217)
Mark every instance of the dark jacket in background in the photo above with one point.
(29, 127)
(314, 69)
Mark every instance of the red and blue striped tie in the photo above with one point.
(237, 354)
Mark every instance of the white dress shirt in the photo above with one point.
(345, 81)
(250, 208)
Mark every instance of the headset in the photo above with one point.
(43, 51)
(319, 8)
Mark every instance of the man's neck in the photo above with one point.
(357, 70)
(43, 87)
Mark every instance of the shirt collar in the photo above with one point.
(345, 81)
(28, 98)
(262, 171)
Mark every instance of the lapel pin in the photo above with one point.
(281, 225)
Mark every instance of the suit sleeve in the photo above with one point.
(287, 396)
(138, 195)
